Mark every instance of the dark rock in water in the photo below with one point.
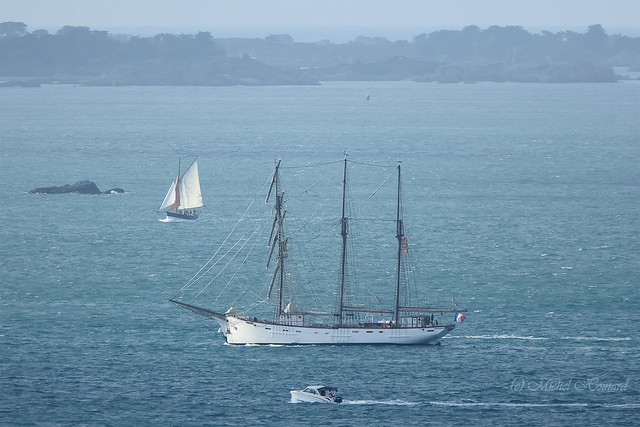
(81, 187)
(114, 191)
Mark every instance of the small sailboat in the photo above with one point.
(347, 322)
(184, 198)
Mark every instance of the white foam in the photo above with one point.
(172, 219)
(598, 338)
(498, 337)
(379, 402)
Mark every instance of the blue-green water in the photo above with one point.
(525, 199)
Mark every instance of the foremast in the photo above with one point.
(277, 238)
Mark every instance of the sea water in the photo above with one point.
(524, 200)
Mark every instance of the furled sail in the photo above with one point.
(189, 189)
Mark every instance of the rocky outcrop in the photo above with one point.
(80, 187)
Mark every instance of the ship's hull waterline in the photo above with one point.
(240, 332)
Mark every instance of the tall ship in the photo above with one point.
(284, 314)
(184, 198)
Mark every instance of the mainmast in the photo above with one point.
(401, 241)
(344, 232)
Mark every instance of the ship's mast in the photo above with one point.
(278, 238)
(344, 233)
(178, 187)
(400, 237)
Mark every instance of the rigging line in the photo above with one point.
(320, 180)
(251, 307)
(260, 226)
(304, 284)
(200, 274)
(372, 164)
(333, 226)
(250, 289)
(221, 258)
(313, 261)
(223, 268)
(249, 252)
(317, 236)
(216, 263)
(194, 279)
(229, 262)
(311, 165)
(259, 298)
(318, 210)
(197, 276)
(375, 191)
(372, 220)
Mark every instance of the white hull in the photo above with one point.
(300, 396)
(240, 331)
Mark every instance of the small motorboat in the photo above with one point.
(316, 393)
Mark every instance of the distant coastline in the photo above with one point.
(80, 55)
(315, 34)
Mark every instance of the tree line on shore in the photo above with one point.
(80, 55)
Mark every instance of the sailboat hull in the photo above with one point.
(241, 332)
(181, 216)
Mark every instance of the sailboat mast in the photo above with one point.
(343, 233)
(400, 237)
(178, 186)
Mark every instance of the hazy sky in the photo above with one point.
(321, 19)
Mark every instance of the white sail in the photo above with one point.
(189, 188)
(170, 201)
